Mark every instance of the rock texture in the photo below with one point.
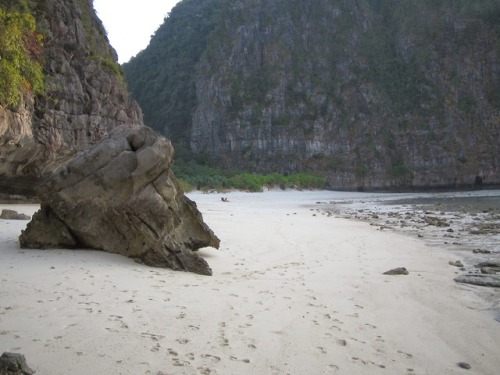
(372, 94)
(397, 271)
(480, 280)
(14, 364)
(13, 215)
(86, 97)
(121, 196)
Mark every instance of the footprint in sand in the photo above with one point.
(360, 341)
(205, 371)
(323, 350)
(407, 355)
(172, 352)
(335, 328)
(180, 363)
(233, 358)
(341, 342)
(212, 357)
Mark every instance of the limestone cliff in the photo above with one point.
(372, 94)
(85, 97)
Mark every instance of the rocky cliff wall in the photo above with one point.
(85, 97)
(371, 94)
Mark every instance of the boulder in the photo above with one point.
(481, 280)
(490, 267)
(14, 364)
(121, 196)
(13, 215)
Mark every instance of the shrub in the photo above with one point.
(203, 177)
(20, 57)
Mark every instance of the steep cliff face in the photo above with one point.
(85, 97)
(372, 94)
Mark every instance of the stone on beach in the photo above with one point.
(397, 271)
(480, 280)
(13, 215)
(489, 267)
(456, 263)
(122, 197)
(14, 364)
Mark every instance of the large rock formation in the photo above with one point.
(85, 97)
(121, 196)
(372, 94)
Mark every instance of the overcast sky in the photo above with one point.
(131, 23)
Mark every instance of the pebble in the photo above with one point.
(456, 263)
(464, 365)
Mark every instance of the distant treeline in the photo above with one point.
(194, 176)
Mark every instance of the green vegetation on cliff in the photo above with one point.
(21, 51)
(162, 77)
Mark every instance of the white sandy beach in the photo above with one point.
(292, 292)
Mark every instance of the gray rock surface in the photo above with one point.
(481, 280)
(489, 267)
(464, 365)
(85, 98)
(14, 364)
(13, 215)
(121, 196)
(313, 85)
(397, 271)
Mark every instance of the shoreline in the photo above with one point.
(463, 224)
(294, 291)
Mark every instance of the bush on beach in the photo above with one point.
(193, 176)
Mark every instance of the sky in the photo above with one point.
(131, 23)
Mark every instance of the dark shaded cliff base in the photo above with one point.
(13, 199)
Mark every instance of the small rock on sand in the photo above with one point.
(457, 263)
(13, 215)
(397, 271)
(464, 365)
(14, 364)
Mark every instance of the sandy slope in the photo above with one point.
(293, 292)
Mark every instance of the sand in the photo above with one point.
(294, 291)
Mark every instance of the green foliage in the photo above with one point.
(361, 171)
(161, 78)
(400, 170)
(202, 177)
(111, 65)
(20, 57)
(466, 104)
